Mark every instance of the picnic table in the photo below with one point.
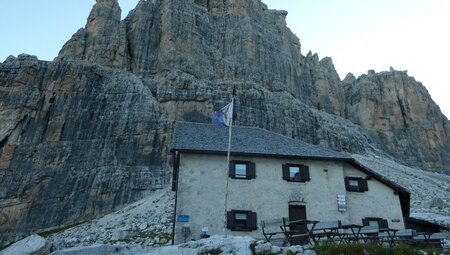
(326, 231)
(387, 235)
(298, 231)
(349, 233)
(312, 232)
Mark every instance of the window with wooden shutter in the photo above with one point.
(230, 220)
(241, 220)
(295, 173)
(251, 170)
(242, 169)
(285, 169)
(375, 221)
(384, 223)
(365, 222)
(304, 171)
(363, 186)
(356, 184)
(252, 221)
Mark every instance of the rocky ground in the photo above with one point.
(147, 222)
(430, 191)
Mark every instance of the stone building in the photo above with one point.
(271, 176)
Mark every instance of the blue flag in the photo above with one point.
(224, 116)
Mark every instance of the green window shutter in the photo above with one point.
(231, 172)
(285, 172)
(384, 224)
(230, 220)
(251, 170)
(252, 221)
(363, 185)
(304, 172)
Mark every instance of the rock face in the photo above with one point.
(402, 115)
(103, 40)
(214, 40)
(79, 140)
(91, 131)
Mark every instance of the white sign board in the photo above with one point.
(342, 203)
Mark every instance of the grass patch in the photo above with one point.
(58, 230)
(373, 249)
(362, 249)
(213, 251)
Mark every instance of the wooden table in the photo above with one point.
(387, 234)
(351, 233)
(290, 234)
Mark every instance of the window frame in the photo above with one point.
(362, 184)
(250, 222)
(250, 171)
(382, 223)
(303, 172)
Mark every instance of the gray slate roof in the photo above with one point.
(207, 138)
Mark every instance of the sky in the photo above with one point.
(359, 35)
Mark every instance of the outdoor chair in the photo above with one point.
(272, 231)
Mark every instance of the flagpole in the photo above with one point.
(228, 167)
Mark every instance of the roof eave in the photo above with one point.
(248, 154)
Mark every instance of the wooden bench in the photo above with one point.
(430, 239)
(325, 229)
(369, 233)
(404, 236)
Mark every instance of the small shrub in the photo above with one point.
(364, 249)
(253, 248)
(213, 251)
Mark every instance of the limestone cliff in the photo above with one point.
(79, 139)
(214, 40)
(402, 115)
(90, 131)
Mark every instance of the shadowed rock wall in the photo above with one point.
(80, 140)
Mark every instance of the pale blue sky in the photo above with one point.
(359, 35)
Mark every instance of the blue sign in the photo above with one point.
(183, 218)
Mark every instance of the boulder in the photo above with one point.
(32, 245)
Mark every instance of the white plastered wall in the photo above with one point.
(201, 194)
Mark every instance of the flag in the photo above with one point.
(224, 116)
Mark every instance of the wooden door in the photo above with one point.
(298, 212)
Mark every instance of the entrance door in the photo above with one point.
(298, 212)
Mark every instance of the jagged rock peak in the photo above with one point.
(349, 79)
(103, 40)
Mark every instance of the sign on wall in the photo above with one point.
(183, 218)
(342, 203)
